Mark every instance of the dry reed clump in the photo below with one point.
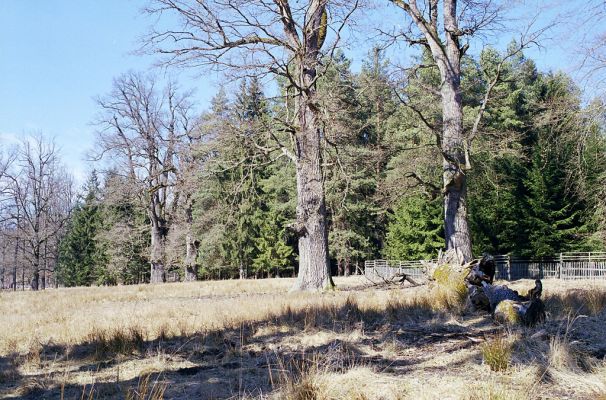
(496, 353)
(148, 388)
(448, 299)
(449, 291)
(118, 341)
(595, 300)
(590, 301)
(564, 355)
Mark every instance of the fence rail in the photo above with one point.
(570, 266)
(387, 269)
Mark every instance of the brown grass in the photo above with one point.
(254, 339)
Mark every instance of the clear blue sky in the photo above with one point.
(56, 56)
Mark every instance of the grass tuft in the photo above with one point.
(148, 388)
(496, 353)
(120, 341)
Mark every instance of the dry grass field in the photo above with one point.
(253, 339)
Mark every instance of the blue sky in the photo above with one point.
(56, 56)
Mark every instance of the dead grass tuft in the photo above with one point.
(590, 301)
(595, 300)
(120, 341)
(496, 353)
(148, 388)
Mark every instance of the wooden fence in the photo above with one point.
(564, 266)
(387, 269)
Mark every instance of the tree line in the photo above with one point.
(304, 167)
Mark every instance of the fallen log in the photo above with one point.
(474, 283)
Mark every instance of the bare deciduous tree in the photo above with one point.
(41, 198)
(280, 38)
(141, 127)
(444, 29)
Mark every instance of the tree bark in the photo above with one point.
(35, 278)
(14, 285)
(191, 253)
(158, 274)
(314, 267)
(456, 230)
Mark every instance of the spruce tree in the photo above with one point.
(81, 257)
(415, 230)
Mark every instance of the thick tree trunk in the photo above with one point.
(448, 59)
(157, 274)
(456, 230)
(314, 267)
(35, 278)
(191, 253)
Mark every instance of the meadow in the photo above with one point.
(254, 339)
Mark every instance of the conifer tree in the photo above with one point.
(81, 257)
(415, 230)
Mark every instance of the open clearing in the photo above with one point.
(253, 339)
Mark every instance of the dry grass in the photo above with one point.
(148, 388)
(253, 339)
(496, 353)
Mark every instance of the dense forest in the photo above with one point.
(180, 195)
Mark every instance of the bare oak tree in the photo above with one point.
(444, 29)
(280, 38)
(140, 128)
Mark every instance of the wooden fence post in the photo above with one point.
(508, 267)
(560, 267)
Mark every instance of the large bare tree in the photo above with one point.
(280, 38)
(444, 29)
(141, 127)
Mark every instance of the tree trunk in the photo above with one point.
(456, 230)
(314, 267)
(191, 253)
(14, 287)
(45, 267)
(35, 278)
(448, 59)
(158, 274)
